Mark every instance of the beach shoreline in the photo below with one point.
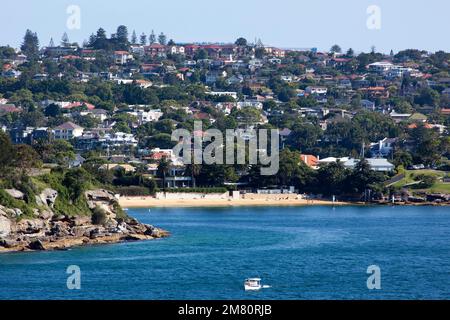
(151, 202)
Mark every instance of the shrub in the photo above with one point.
(426, 181)
(9, 202)
(133, 191)
(99, 216)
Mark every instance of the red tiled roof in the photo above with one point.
(309, 160)
(9, 108)
(80, 104)
(159, 155)
(155, 46)
(414, 126)
(70, 57)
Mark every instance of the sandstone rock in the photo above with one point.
(16, 212)
(81, 221)
(30, 226)
(59, 218)
(132, 222)
(37, 245)
(133, 237)
(16, 194)
(8, 243)
(80, 231)
(100, 197)
(5, 226)
(46, 214)
(47, 197)
(111, 224)
(97, 233)
(60, 229)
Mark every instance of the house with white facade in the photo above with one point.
(67, 131)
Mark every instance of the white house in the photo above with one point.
(119, 139)
(316, 90)
(380, 165)
(176, 50)
(383, 148)
(147, 116)
(122, 57)
(223, 93)
(68, 131)
(399, 117)
(380, 67)
(99, 114)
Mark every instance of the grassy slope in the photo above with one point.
(438, 187)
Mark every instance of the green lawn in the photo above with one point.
(438, 187)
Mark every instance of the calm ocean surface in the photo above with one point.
(302, 252)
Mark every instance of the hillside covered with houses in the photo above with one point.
(358, 126)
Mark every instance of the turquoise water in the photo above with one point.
(302, 253)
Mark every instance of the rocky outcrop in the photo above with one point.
(48, 231)
(47, 198)
(16, 194)
(5, 224)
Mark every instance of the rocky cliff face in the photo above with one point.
(48, 231)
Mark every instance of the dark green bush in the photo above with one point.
(133, 191)
(197, 190)
(426, 181)
(99, 216)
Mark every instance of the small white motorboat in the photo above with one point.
(252, 284)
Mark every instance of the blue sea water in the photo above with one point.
(301, 252)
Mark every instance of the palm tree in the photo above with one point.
(163, 170)
(193, 170)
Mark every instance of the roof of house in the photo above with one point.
(8, 108)
(418, 116)
(79, 104)
(309, 160)
(68, 126)
(373, 162)
(414, 126)
(115, 166)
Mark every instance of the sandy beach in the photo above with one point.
(150, 202)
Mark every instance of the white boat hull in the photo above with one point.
(252, 288)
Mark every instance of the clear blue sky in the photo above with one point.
(284, 23)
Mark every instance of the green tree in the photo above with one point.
(152, 37)
(162, 39)
(336, 49)
(65, 42)
(134, 37)
(6, 150)
(331, 179)
(30, 45)
(25, 158)
(52, 110)
(241, 42)
(58, 151)
(163, 170)
(122, 34)
(143, 39)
